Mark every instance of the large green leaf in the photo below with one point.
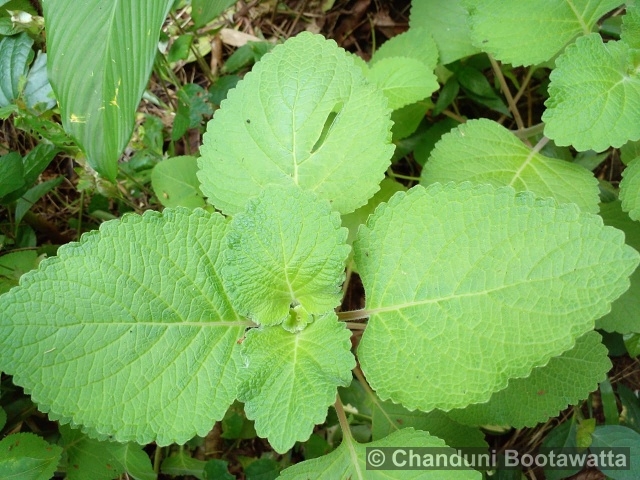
(594, 96)
(469, 286)
(286, 252)
(293, 120)
(483, 151)
(128, 333)
(25, 456)
(415, 43)
(630, 189)
(564, 381)
(531, 32)
(14, 55)
(290, 379)
(100, 56)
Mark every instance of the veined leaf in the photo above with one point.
(483, 151)
(594, 96)
(26, 456)
(564, 381)
(14, 54)
(447, 22)
(286, 256)
(631, 26)
(531, 32)
(416, 43)
(290, 379)
(630, 189)
(100, 58)
(175, 182)
(292, 120)
(130, 332)
(454, 273)
(349, 460)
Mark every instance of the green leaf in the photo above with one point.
(483, 151)
(630, 189)
(624, 316)
(611, 436)
(97, 460)
(33, 164)
(292, 120)
(415, 43)
(544, 27)
(477, 87)
(217, 470)
(37, 89)
(12, 174)
(349, 461)
(631, 26)
(289, 381)
(403, 80)
(286, 252)
(148, 318)
(453, 273)
(203, 11)
(561, 436)
(14, 57)
(594, 96)
(630, 407)
(99, 82)
(31, 196)
(25, 456)
(262, 469)
(175, 183)
(447, 23)
(629, 151)
(564, 381)
(183, 464)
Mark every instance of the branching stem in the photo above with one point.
(505, 89)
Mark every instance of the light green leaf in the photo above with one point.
(286, 251)
(136, 310)
(203, 11)
(37, 89)
(100, 58)
(447, 23)
(544, 27)
(98, 460)
(14, 54)
(629, 151)
(403, 80)
(564, 381)
(630, 189)
(594, 96)
(415, 43)
(175, 183)
(289, 379)
(292, 120)
(454, 273)
(624, 316)
(483, 151)
(631, 26)
(25, 456)
(349, 461)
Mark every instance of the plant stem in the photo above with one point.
(354, 315)
(507, 93)
(525, 83)
(529, 132)
(342, 418)
(540, 145)
(455, 116)
(403, 177)
(356, 326)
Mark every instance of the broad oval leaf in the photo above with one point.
(175, 183)
(26, 456)
(14, 54)
(542, 27)
(594, 96)
(292, 120)
(290, 379)
(286, 251)
(128, 333)
(100, 56)
(454, 273)
(483, 151)
(630, 189)
(415, 43)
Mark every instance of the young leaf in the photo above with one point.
(483, 151)
(630, 189)
(286, 251)
(624, 316)
(290, 379)
(175, 183)
(542, 27)
(125, 332)
(447, 23)
(28, 457)
(454, 273)
(594, 96)
(349, 460)
(100, 58)
(415, 43)
(292, 120)
(14, 54)
(564, 381)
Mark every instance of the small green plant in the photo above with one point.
(482, 286)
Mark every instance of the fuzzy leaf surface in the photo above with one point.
(291, 120)
(415, 43)
(349, 461)
(454, 273)
(290, 379)
(447, 22)
(544, 27)
(630, 189)
(129, 332)
(286, 250)
(25, 456)
(483, 151)
(529, 401)
(100, 59)
(594, 96)
(631, 26)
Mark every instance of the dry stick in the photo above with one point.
(507, 93)
(455, 116)
(353, 315)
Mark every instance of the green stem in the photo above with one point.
(529, 132)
